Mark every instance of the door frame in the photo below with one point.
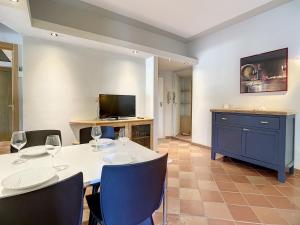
(15, 83)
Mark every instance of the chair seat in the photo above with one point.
(93, 202)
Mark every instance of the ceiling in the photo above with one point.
(166, 65)
(187, 18)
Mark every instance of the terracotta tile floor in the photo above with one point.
(225, 191)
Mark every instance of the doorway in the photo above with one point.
(175, 99)
(9, 104)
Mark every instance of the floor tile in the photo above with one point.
(219, 222)
(211, 196)
(188, 183)
(187, 175)
(222, 178)
(291, 216)
(289, 191)
(173, 206)
(173, 182)
(207, 185)
(191, 207)
(281, 202)
(234, 198)
(189, 194)
(268, 190)
(269, 216)
(192, 220)
(247, 188)
(239, 179)
(216, 210)
(224, 186)
(258, 180)
(243, 213)
(257, 200)
(173, 192)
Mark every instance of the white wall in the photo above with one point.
(62, 82)
(216, 77)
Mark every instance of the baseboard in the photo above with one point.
(201, 146)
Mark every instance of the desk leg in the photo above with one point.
(165, 201)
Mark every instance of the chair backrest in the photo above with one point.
(37, 137)
(58, 204)
(131, 193)
(85, 134)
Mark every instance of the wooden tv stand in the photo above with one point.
(137, 129)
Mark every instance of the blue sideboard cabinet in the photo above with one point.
(259, 137)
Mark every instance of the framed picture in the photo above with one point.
(266, 72)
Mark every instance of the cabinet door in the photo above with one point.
(229, 139)
(261, 145)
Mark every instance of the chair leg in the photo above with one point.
(92, 220)
(95, 188)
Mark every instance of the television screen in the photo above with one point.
(113, 106)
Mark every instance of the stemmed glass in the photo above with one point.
(122, 136)
(96, 134)
(18, 141)
(53, 146)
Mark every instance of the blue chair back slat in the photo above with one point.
(131, 193)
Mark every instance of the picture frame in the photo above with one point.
(265, 72)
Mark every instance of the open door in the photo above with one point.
(9, 102)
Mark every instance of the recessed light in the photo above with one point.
(14, 0)
(54, 34)
(135, 52)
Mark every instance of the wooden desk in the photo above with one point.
(138, 130)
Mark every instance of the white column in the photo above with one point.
(151, 95)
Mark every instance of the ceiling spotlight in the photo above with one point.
(54, 34)
(14, 0)
(135, 52)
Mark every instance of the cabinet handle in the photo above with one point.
(245, 129)
(264, 122)
(223, 118)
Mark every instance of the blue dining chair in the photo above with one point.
(37, 137)
(57, 204)
(85, 134)
(129, 194)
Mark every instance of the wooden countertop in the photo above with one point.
(84, 122)
(252, 111)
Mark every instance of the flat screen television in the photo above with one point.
(115, 106)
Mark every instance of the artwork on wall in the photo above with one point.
(266, 72)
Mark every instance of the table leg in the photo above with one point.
(165, 201)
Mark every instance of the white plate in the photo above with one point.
(28, 178)
(34, 151)
(118, 158)
(102, 142)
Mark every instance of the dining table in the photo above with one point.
(83, 158)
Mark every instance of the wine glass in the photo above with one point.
(96, 134)
(18, 141)
(122, 136)
(53, 146)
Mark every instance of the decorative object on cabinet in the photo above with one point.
(266, 72)
(259, 137)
